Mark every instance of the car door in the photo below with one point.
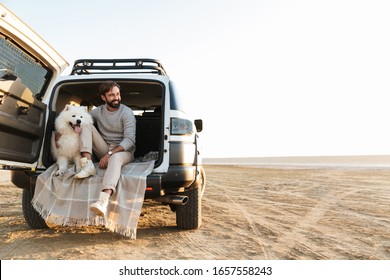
(28, 68)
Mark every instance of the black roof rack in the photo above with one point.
(119, 66)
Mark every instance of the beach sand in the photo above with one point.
(249, 213)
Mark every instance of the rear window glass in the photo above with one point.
(14, 63)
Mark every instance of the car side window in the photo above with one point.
(14, 63)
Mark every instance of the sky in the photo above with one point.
(268, 78)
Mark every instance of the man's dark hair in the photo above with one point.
(107, 86)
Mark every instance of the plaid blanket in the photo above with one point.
(63, 200)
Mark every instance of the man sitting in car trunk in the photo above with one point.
(113, 142)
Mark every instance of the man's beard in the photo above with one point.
(114, 105)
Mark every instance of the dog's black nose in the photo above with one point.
(78, 121)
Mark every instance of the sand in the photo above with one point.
(249, 213)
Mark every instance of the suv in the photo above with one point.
(32, 93)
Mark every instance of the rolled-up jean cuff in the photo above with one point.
(109, 187)
(85, 150)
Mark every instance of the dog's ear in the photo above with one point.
(66, 107)
(85, 108)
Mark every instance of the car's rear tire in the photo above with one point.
(31, 216)
(189, 216)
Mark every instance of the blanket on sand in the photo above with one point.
(63, 200)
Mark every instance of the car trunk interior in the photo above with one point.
(145, 98)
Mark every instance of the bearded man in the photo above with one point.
(113, 142)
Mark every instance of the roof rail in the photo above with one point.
(118, 66)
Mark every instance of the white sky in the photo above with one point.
(268, 78)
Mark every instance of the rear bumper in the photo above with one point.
(176, 180)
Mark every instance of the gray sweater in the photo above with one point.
(118, 127)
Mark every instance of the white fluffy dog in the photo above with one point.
(66, 146)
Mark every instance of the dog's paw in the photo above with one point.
(83, 162)
(59, 173)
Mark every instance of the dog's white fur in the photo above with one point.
(67, 148)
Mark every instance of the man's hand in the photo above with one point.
(103, 163)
